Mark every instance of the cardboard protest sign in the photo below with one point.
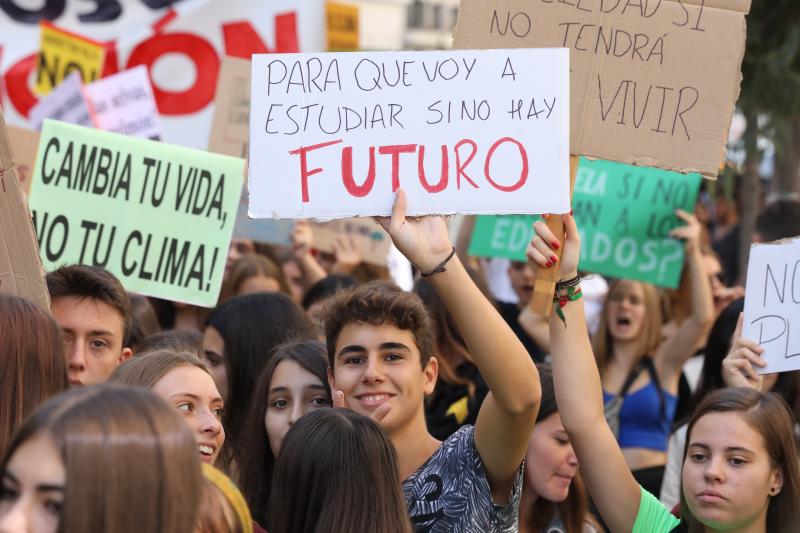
(124, 103)
(24, 145)
(373, 241)
(229, 136)
(652, 83)
(335, 135)
(624, 214)
(63, 52)
(66, 103)
(342, 27)
(159, 217)
(20, 269)
(229, 126)
(772, 295)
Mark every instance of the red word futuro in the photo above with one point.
(463, 153)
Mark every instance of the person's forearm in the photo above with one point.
(702, 299)
(577, 381)
(312, 270)
(501, 358)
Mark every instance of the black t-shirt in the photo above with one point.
(450, 406)
(510, 313)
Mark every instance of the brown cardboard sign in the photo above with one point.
(24, 145)
(374, 241)
(229, 134)
(652, 82)
(20, 268)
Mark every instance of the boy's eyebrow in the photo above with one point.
(394, 346)
(352, 348)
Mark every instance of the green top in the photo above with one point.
(653, 517)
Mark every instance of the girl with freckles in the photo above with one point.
(740, 472)
(181, 380)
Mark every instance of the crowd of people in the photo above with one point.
(319, 396)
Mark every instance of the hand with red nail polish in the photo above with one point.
(543, 244)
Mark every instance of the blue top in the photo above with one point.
(640, 422)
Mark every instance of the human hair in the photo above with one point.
(147, 370)
(173, 339)
(250, 266)
(769, 415)
(251, 326)
(131, 463)
(377, 303)
(326, 287)
(337, 471)
(144, 321)
(32, 365)
(449, 345)
(222, 507)
(779, 220)
(574, 511)
(95, 283)
(649, 336)
(717, 348)
(254, 450)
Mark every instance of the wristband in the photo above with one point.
(441, 266)
(566, 291)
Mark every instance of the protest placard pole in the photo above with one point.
(20, 269)
(545, 285)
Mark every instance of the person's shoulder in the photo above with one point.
(457, 448)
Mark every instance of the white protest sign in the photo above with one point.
(334, 135)
(66, 103)
(124, 103)
(772, 303)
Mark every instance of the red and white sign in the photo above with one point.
(181, 47)
(461, 131)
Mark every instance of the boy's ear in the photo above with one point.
(126, 354)
(431, 372)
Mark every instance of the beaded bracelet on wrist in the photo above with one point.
(566, 291)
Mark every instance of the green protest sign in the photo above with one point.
(624, 214)
(159, 217)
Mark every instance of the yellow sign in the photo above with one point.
(342, 27)
(62, 52)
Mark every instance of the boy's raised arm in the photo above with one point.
(509, 410)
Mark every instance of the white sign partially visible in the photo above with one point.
(772, 303)
(66, 103)
(479, 131)
(124, 103)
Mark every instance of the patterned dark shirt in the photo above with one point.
(449, 493)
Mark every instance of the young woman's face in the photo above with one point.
(626, 311)
(293, 392)
(32, 491)
(193, 394)
(727, 474)
(550, 463)
(214, 358)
